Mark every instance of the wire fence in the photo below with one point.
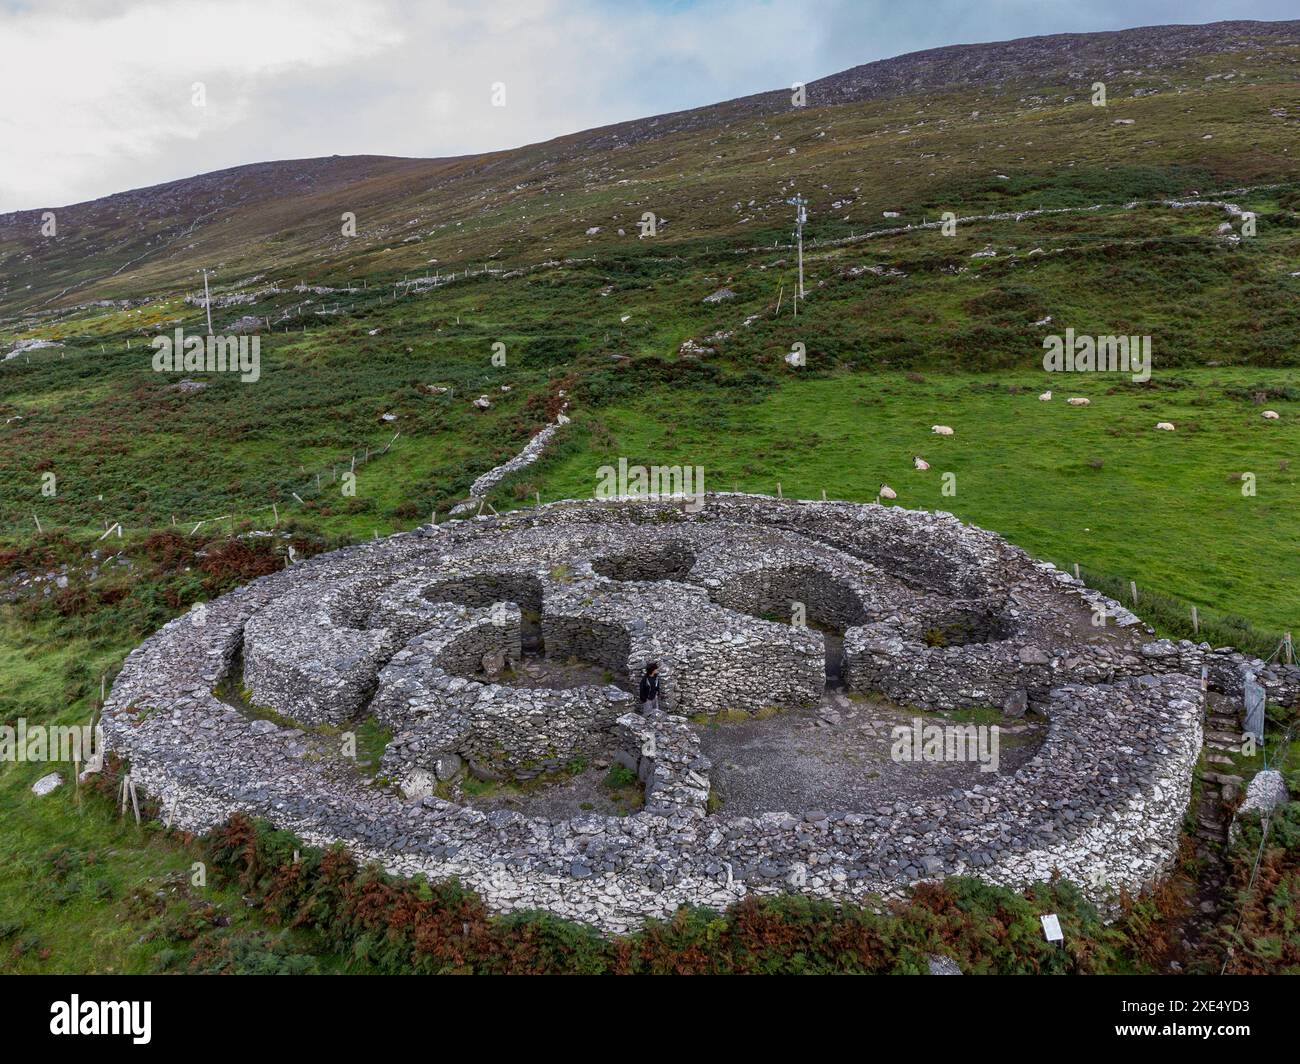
(1181, 619)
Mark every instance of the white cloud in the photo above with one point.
(97, 95)
(90, 94)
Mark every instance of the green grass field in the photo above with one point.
(1097, 485)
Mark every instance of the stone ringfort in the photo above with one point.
(439, 636)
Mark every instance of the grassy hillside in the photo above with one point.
(124, 444)
(1219, 112)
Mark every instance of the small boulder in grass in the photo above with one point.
(483, 402)
(1264, 794)
(1270, 415)
(1165, 426)
(1079, 401)
(941, 430)
(47, 785)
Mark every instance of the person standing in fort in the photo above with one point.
(650, 687)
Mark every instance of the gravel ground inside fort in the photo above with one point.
(832, 757)
(836, 756)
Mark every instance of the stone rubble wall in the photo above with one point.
(418, 684)
(710, 659)
(665, 755)
(877, 659)
(1225, 666)
(532, 451)
(303, 656)
(768, 593)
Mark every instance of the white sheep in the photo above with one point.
(920, 462)
(1079, 402)
(1046, 397)
(886, 492)
(1165, 426)
(941, 430)
(1272, 415)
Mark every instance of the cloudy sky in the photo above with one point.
(100, 95)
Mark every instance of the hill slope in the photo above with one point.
(285, 216)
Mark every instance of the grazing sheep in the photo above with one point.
(1272, 415)
(1165, 426)
(920, 462)
(941, 430)
(1046, 397)
(886, 492)
(1079, 402)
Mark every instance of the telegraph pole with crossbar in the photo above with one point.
(801, 216)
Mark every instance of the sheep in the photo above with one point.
(1046, 397)
(1165, 426)
(941, 430)
(1272, 415)
(920, 462)
(886, 492)
(1079, 402)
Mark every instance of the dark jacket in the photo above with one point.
(649, 688)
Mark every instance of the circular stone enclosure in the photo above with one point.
(510, 647)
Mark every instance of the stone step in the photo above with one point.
(1210, 776)
(1218, 759)
(1222, 736)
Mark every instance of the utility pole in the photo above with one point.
(207, 299)
(801, 217)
